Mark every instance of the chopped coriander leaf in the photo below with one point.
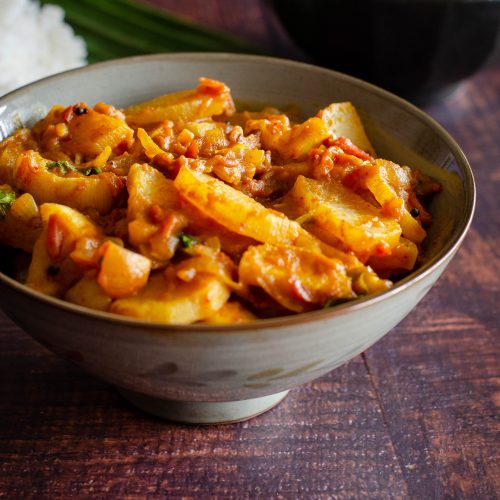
(91, 171)
(57, 164)
(63, 166)
(6, 200)
(187, 241)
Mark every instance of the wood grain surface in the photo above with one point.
(416, 416)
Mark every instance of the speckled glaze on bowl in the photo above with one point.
(209, 374)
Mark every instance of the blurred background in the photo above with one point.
(419, 49)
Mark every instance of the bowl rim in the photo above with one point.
(279, 322)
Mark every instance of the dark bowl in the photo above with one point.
(418, 49)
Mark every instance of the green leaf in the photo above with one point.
(65, 167)
(6, 200)
(62, 166)
(187, 241)
(90, 171)
(119, 28)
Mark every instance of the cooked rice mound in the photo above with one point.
(36, 42)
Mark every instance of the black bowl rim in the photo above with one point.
(282, 321)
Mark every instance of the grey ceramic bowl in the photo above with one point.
(213, 374)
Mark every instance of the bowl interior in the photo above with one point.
(398, 130)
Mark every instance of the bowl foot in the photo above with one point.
(189, 412)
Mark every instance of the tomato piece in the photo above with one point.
(55, 237)
(348, 147)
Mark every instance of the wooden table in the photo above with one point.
(414, 416)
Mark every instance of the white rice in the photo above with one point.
(35, 42)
